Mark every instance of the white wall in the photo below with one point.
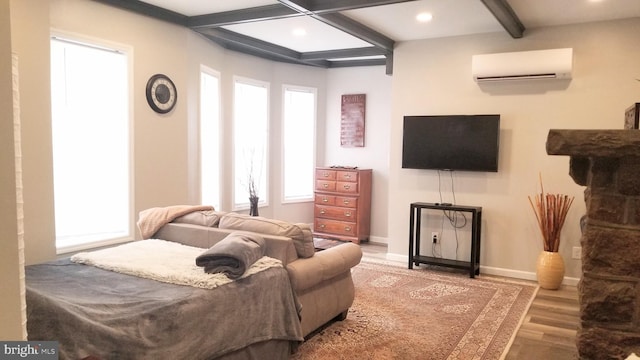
(30, 41)
(430, 77)
(373, 82)
(434, 77)
(11, 314)
(165, 146)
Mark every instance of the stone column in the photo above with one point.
(607, 162)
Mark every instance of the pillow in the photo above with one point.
(300, 233)
(209, 218)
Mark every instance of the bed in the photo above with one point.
(111, 315)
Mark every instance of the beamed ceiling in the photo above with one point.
(340, 33)
(329, 12)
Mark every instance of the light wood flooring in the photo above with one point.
(549, 328)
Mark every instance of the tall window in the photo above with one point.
(210, 137)
(298, 143)
(250, 135)
(91, 144)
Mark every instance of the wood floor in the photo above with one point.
(549, 328)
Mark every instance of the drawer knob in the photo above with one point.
(325, 185)
(347, 228)
(321, 226)
(347, 187)
(322, 212)
(347, 214)
(325, 200)
(346, 202)
(347, 176)
(325, 174)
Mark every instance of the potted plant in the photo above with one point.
(551, 211)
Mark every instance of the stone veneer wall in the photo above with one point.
(607, 162)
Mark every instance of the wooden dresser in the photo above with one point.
(342, 208)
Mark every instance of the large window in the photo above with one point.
(298, 143)
(250, 135)
(91, 144)
(210, 137)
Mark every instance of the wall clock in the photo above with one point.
(161, 93)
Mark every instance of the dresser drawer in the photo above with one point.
(337, 213)
(351, 176)
(345, 201)
(326, 199)
(346, 187)
(324, 174)
(335, 227)
(325, 185)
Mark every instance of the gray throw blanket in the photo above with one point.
(114, 316)
(232, 255)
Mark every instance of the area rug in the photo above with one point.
(422, 314)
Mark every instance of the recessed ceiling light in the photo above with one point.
(424, 17)
(299, 32)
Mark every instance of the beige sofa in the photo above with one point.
(322, 280)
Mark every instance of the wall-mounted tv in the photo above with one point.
(451, 142)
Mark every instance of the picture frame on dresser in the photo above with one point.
(342, 203)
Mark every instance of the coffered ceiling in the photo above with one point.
(338, 33)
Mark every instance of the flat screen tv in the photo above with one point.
(451, 142)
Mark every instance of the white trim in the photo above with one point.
(306, 89)
(264, 198)
(127, 51)
(216, 74)
(488, 270)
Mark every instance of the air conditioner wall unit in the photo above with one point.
(523, 65)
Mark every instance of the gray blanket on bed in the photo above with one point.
(91, 311)
(232, 255)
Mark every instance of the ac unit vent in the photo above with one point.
(524, 65)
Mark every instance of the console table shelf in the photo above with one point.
(415, 220)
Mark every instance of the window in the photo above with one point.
(91, 144)
(299, 143)
(250, 135)
(210, 138)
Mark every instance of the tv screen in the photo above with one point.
(451, 142)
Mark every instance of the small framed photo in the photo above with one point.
(631, 117)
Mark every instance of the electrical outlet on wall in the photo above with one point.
(435, 236)
(576, 252)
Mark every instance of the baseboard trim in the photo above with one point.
(515, 274)
(378, 240)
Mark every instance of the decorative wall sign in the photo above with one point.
(632, 117)
(352, 120)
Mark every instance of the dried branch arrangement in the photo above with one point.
(551, 211)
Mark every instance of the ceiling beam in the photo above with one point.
(148, 10)
(356, 29)
(238, 42)
(329, 6)
(323, 10)
(361, 62)
(259, 13)
(343, 53)
(506, 17)
(342, 22)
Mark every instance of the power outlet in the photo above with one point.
(435, 236)
(576, 252)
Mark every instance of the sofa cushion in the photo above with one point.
(299, 233)
(209, 218)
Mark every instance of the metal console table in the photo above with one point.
(414, 237)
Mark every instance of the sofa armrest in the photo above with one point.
(324, 265)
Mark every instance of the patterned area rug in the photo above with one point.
(422, 314)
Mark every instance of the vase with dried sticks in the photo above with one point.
(551, 212)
